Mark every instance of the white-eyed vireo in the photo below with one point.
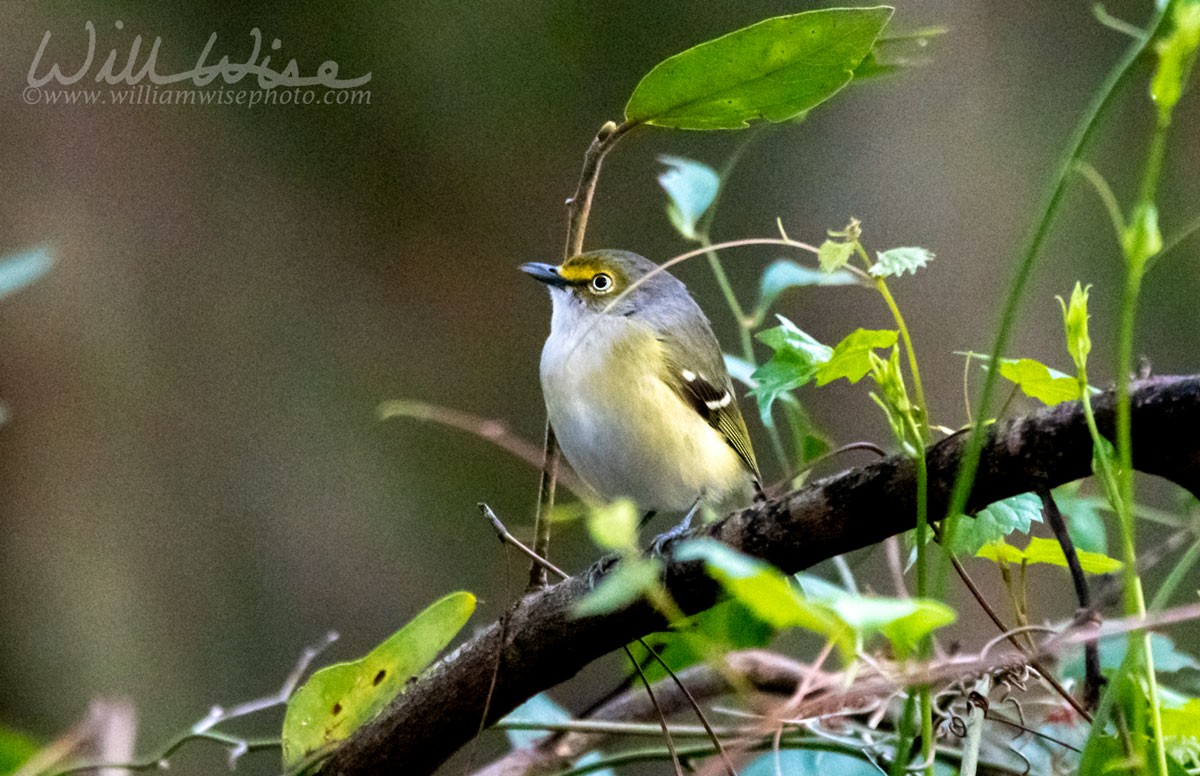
(636, 388)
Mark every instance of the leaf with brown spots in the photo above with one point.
(340, 698)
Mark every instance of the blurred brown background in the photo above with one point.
(194, 484)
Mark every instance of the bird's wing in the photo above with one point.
(704, 384)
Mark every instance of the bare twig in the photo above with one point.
(203, 729)
(1093, 680)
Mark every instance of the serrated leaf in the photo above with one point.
(833, 255)
(1038, 381)
(794, 363)
(772, 70)
(631, 580)
(1047, 551)
(16, 272)
(692, 186)
(995, 521)
(897, 261)
(851, 358)
(340, 698)
(783, 274)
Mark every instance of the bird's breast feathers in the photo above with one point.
(623, 429)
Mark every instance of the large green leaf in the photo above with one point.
(340, 698)
(773, 70)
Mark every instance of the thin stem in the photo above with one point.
(978, 703)
(1093, 679)
(662, 720)
(1081, 137)
(1107, 198)
(1182, 568)
(547, 483)
(579, 206)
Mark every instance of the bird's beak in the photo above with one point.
(546, 273)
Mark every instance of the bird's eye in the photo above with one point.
(602, 283)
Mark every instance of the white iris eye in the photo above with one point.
(602, 283)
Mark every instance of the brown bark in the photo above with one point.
(546, 645)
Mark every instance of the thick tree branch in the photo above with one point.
(546, 645)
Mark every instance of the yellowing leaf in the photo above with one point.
(1038, 381)
(1047, 551)
(340, 698)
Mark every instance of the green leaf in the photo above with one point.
(897, 261)
(765, 591)
(692, 187)
(824, 609)
(727, 626)
(795, 362)
(1085, 522)
(1038, 381)
(833, 255)
(614, 526)
(1047, 551)
(1182, 721)
(772, 70)
(631, 580)
(783, 274)
(995, 521)
(902, 621)
(15, 749)
(1075, 321)
(16, 272)
(340, 698)
(851, 357)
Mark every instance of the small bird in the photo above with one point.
(636, 388)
